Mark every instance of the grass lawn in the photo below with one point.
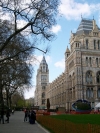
(84, 118)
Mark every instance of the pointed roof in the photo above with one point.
(67, 50)
(43, 60)
(86, 26)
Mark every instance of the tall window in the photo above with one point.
(43, 77)
(87, 61)
(94, 44)
(87, 44)
(98, 44)
(89, 78)
(70, 82)
(98, 77)
(43, 95)
(90, 61)
(43, 101)
(97, 61)
(98, 93)
(44, 69)
(78, 44)
(43, 87)
(89, 92)
(73, 79)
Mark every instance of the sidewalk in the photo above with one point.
(17, 125)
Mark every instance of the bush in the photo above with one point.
(83, 106)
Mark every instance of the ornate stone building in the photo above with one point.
(56, 92)
(81, 78)
(42, 80)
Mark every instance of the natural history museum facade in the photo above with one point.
(81, 77)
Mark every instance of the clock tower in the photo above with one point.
(42, 80)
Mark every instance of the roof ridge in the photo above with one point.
(87, 19)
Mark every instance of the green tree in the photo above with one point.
(48, 104)
(18, 100)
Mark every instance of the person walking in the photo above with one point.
(12, 111)
(26, 115)
(2, 116)
(32, 117)
(29, 114)
(7, 115)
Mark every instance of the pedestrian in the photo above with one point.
(12, 111)
(29, 114)
(32, 117)
(7, 115)
(2, 116)
(26, 115)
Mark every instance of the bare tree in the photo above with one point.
(38, 17)
(15, 71)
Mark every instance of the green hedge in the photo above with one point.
(83, 106)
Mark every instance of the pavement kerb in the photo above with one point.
(46, 131)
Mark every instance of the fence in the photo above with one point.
(64, 126)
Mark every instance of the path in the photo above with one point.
(17, 125)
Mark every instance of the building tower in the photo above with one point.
(83, 64)
(81, 77)
(42, 80)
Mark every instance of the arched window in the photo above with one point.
(94, 44)
(73, 79)
(43, 95)
(98, 93)
(76, 44)
(89, 92)
(90, 61)
(70, 82)
(97, 61)
(89, 78)
(98, 44)
(87, 44)
(43, 101)
(87, 61)
(98, 77)
(43, 70)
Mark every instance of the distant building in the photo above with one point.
(42, 80)
(81, 77)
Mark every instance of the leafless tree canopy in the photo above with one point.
(38, 16)
(14, 69)
(20, 18)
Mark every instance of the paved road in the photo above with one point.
(17, 125)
